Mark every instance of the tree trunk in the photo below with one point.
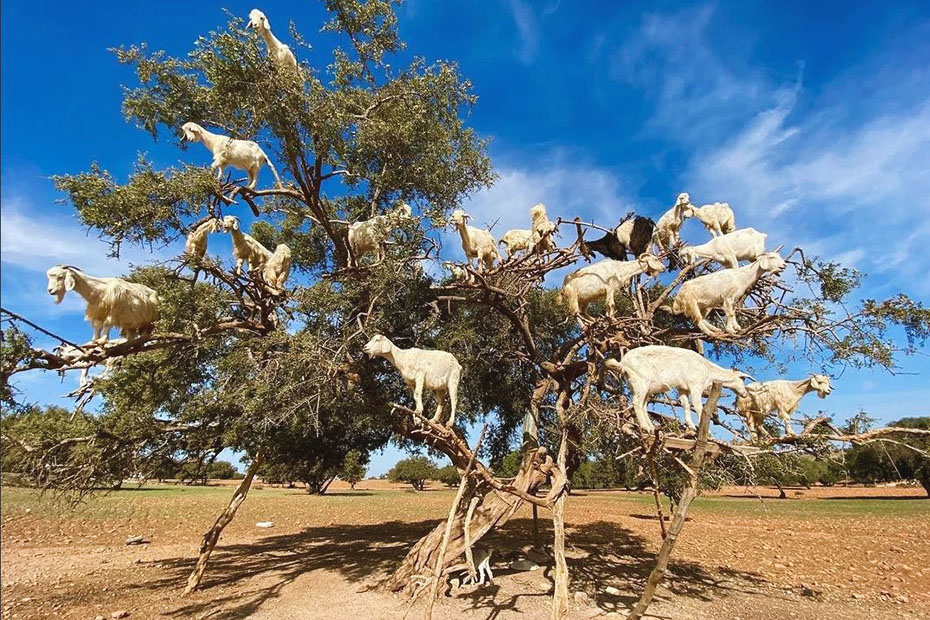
(213, 534)
(493, 510)
(560, 570)
(681, 510)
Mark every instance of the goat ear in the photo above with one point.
(69, 281)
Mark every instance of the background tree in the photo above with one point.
(415, 471)
(354, 468)
(891, 461)
(222, 470)
(448, 475)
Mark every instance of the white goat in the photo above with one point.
(477, 244)
(781, 397)
(722, 289)
(246, 249)
(666, 235)
(517, 239)
(728, 249)
(717, 217)
(656, 369)
(196, 245)
(242, 154)
(370, 235)
(458, 272)
(602, 280)
(278, 51)
(437, 371)
(543, 229)
(277, 268)
(111, 302)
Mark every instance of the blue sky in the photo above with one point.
(811, 119)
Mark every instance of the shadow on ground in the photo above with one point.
(599, 554)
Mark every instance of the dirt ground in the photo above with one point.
(832, 553)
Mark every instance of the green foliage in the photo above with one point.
(448, 475)
(884, 461)
(222, 470)
(414, 471)
(353, 467)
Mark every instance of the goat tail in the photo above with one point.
(273, 171)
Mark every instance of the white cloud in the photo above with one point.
(527, 28)
(34, 241)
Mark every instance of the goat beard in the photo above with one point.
(59, 296)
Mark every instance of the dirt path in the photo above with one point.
(808, 557)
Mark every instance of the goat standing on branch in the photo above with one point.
(196, 245)
(242, 154)
(371, 235)
(477, 244)
(603, 279)
(781, 397)
(656, 369)
(437, 371)
(717, 217)
(278, 268)
(111, 302)
(246, 249)
(543, 229)
(632, 234)
(722, 289)
(279, 52)
(728, 249)
(668, 228)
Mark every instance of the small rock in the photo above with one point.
(522, 565)
(856, 595)
(122, 613)
(902, 598)
(99, 617)
(611, 591)
(544, 586)
(137, 540)
(265, 524)
(582, 597)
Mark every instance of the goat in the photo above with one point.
(370, 235)
(781, 397)
(728, 249)
(543, 229)
(437, 371)
(717, 217)
(655, 369)
(111, 302)
(458, 273)
(477, 244)
(602, 280)
(196, 245)
(277, 268)
(242, 154)
(667, 229)
(517, 239)
(632, 234)
(278, 51)
(722, 289)
(246, 249)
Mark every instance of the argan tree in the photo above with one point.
(233, 364)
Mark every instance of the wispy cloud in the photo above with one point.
(34, 241)
(528, 29)
(840, 170)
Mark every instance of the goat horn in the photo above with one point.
(778, 249)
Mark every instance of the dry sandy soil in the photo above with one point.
(825, 553)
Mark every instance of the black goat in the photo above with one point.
(632, 234)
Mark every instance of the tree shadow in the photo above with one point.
(599, 554)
